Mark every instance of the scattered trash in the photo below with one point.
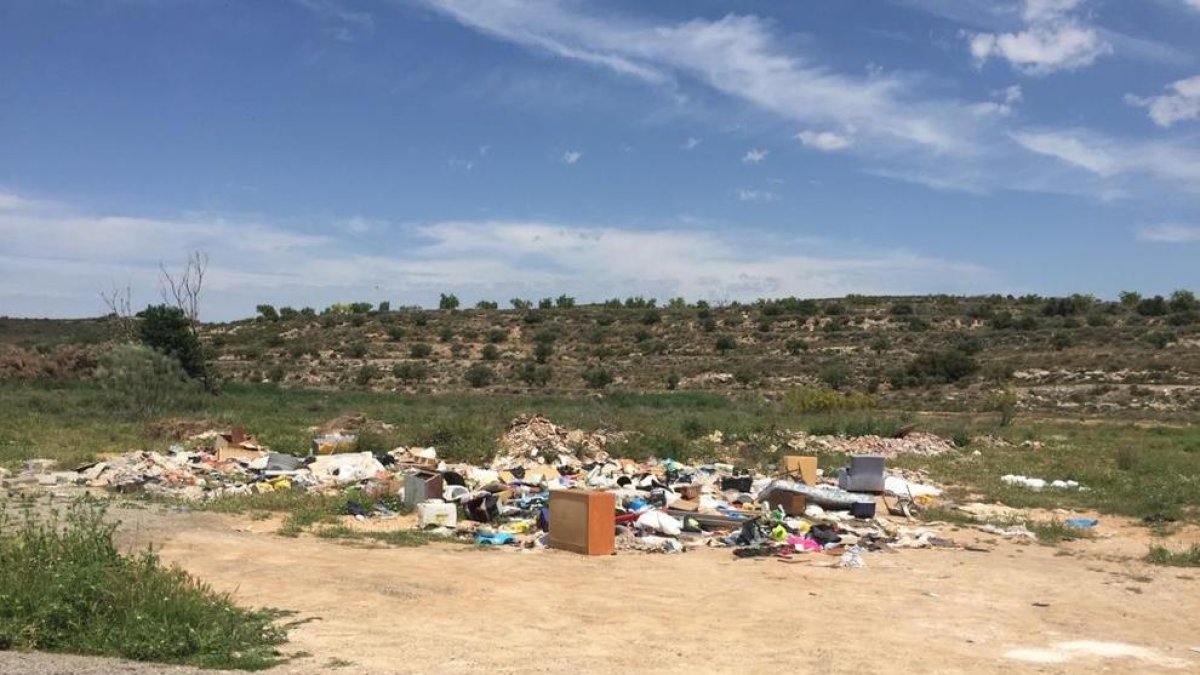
(551, 487)
(1039, 483)
(1082, 523)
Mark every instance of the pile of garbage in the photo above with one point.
(537, 439)
(912, 443)
(658, 505)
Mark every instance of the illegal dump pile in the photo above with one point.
(550, 487)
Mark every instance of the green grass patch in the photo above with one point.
(401, 538)
(1161, 555)
(64, 587)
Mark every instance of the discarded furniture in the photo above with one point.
(421, 487)
(583, 521)
(865, 474)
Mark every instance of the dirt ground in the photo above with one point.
(1084, 606)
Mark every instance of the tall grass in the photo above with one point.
(65, 587)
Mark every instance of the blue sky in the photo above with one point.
(329, 150)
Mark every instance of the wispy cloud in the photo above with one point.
(757, 196)
(571, 156)
(1106, 156)
(755, 155)
(344, 24)
(1167, 109)
(739, 56)
(826, 141)
(691, 143)
(1053, 40)
(56, 257)
(1170, 233)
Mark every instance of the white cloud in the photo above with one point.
(757, 196)
(691, 143)
(827, 141)
(484, 149)
(571, 157)
(1053, 40)
(1194, 4)
(1170, 233)
(1071, 149)
(462, 164)
(56, 258)
(345, 25)
(755, 155)
(1168, 109)
(1010, 95)
(1108, 157)
(738, 56)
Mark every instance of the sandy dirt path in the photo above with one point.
(1079, 607)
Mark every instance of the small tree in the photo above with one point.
(725, 343)
(479, 375)
(167, 330)
(497, 335)
(486, 304)
(420, 350)
(673, 380)
(1130, 298)
(835, 375)
(267, 312)
(564, 301)
(1005, 403)
(288, 313)
(880, 344)
(365, 375)
(543, 351)
(546, 303)
(518, 303)
(489, 353)
(448, 302)
(385, 307)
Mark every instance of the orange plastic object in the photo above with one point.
(583, 521)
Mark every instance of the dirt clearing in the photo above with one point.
(1079, 607)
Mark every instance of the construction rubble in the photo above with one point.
(549, 487)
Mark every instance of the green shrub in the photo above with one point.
(597, 377)
(542, 351)
(745, 375)
(167, 330)
(836, 375)
(366, 375)
(816, 400)
(479, 375)
(1004, 403)
(940, 367)
(1161, 555)
(396, 333)
(497, 335)
(420, 350)
(795, 346)
(672, 381)
(725, 343)
(1060, 341)
(535, 375)
(410, 371)
(1159, 339)
(355, 350)
(139, 382)
(489, 353)
(66, 587)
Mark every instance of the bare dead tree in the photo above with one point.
(183, 291)
(119, 302)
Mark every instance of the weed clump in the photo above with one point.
(64, 587)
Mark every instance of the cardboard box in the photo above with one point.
(583, 521)
(792, 503)
(801, 468)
